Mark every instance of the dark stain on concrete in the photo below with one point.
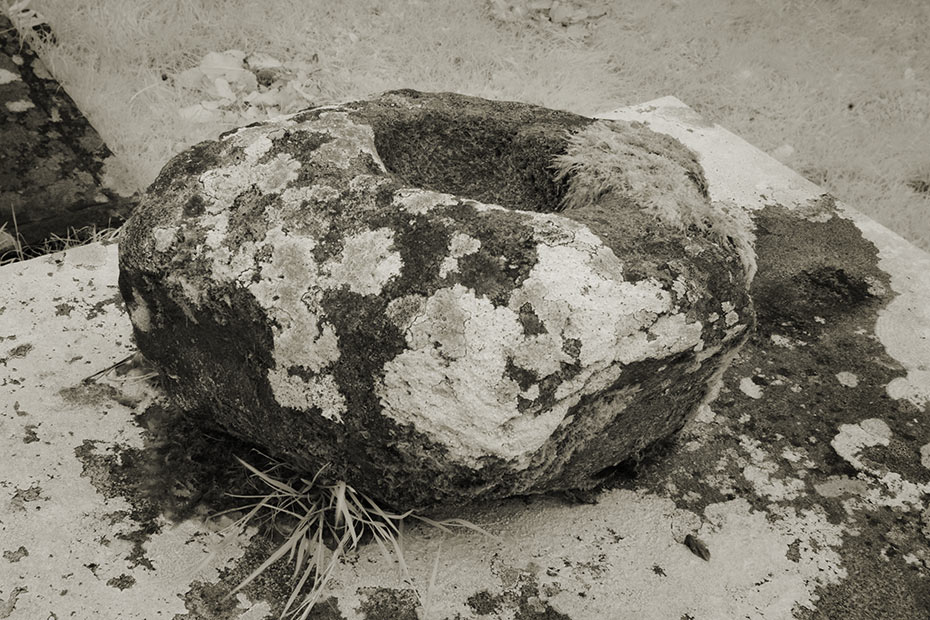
(64, 309)
(522, 599)
(819, 289)
(8, 606)
(210, 601)
(123, 582)
(100, 307)
(21, 496)
(880, 583)
(387, 603)
(186, 470)
(484, 603)
(15, 555)
(17, 352)
(30, 435)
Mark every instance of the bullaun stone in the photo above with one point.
(439, 297)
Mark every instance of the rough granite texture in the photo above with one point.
(439, 297)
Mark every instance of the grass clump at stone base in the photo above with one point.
(12, 248)
(321, 524)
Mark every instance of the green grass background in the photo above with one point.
(837, 89)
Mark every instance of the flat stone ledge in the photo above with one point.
(806, 480)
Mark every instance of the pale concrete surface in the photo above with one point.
(807, 479)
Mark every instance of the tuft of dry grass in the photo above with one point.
(12, 248)
(321, 524)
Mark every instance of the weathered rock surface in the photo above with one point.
(57, 174)
(438, 296)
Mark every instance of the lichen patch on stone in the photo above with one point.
(164, 238)
(453, 382)
(897, 491)
(366, 264)
(460, 245)
(349, 140)
(320, 392)
(19, 106)
(762, 472)
(224, 184)
(139, 311)
(463, 401)
(852, 438)
(8, 76)
(418, 201)
(847, 379)
(750, 388)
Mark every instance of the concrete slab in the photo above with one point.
(806, 481)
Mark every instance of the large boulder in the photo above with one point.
(439, 297)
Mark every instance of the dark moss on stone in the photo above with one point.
(247, 217)
(530, 322)
(523, 377)
(821, 269)
(879, 583)
(298, 144)
(422, 242)
(490, 151)
(506, 256)
(522, 600)
(192, 161)
(484, 603)
(643, 420)
(195, 206)
(388, 603)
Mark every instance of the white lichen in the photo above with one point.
(893, 490)
(418, 201)
(7, 77)
(273, 176)
(452, 383)
(348, 140)
(139, 312)
(852, 438)
(21, 105)
(319, 391)
(459, 246)
(847, 379)
(367, 262)
(750, 388)
(164, 237)
(286, 289)
(762, 473)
